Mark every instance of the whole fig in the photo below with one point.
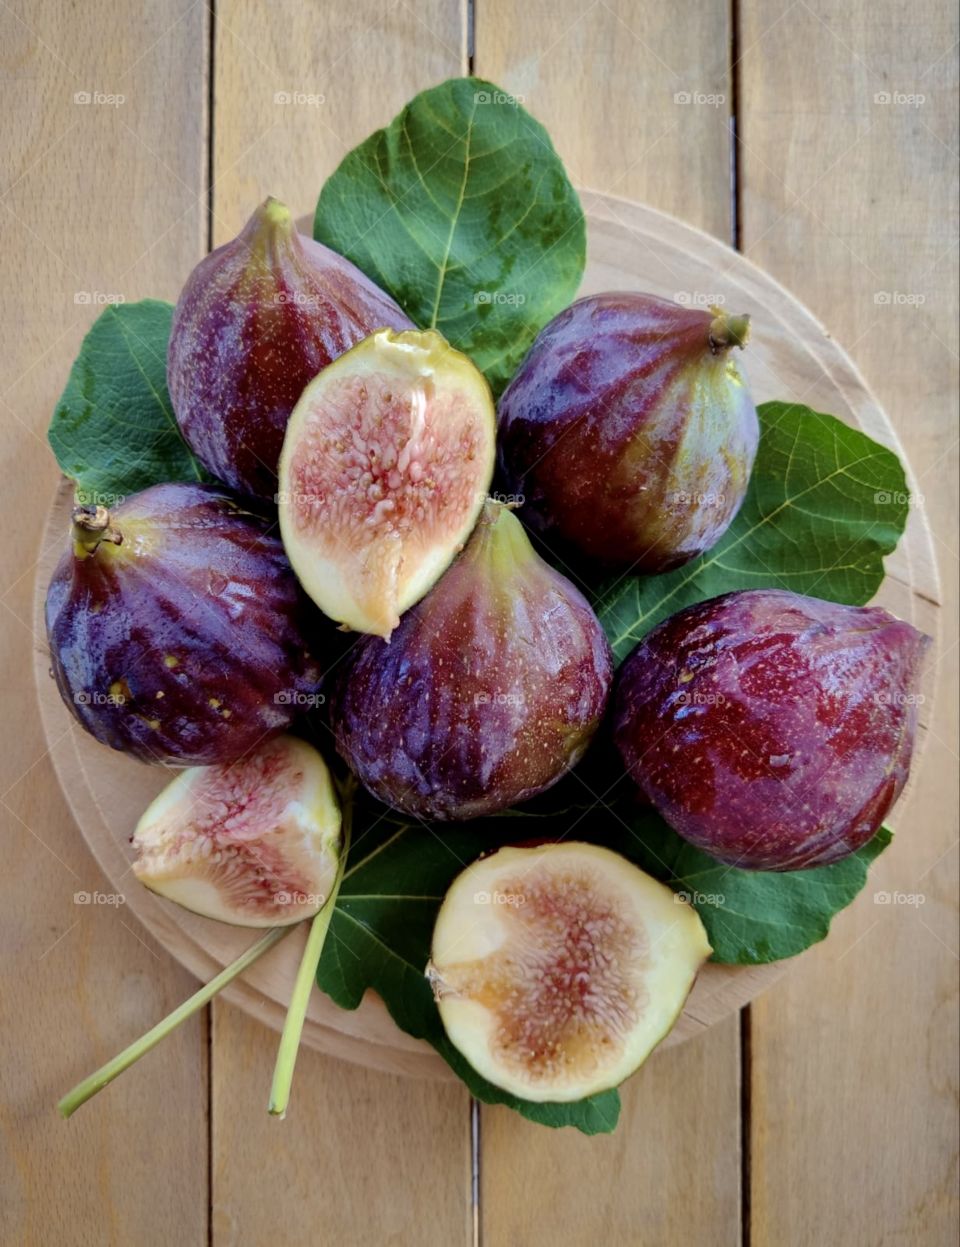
(487, 693)
(773, 731)
(629, 430)
(177, 631)
(259, 318)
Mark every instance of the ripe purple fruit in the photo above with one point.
(629, 430)
(489, 690)
(259, 318)
(177, 631)
(773, 731)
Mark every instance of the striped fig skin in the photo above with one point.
(186, 643)
(259, 318)
(488, 691)
(629, 430)
(773, 731)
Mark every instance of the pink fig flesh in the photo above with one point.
(177, 631)
(489, 690)
(253, 843)
(259, 318)
(773, 731)
(629, 430)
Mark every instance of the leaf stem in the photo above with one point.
(307, 972)
(107, 1073)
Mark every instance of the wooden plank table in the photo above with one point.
(826, 1113)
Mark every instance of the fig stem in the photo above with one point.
(91, 525)
(727, 330)
(85, 1090)
(307, 971)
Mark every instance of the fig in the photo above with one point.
(773, 731)
(557, 970)
(488, 692)
(629, 430)
(177, 631)
(254, 842)
(259, 318)
(385, 466)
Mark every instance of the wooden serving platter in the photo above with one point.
(790, 356)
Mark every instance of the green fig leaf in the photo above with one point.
(380, 933)
(461, 209)
(751, 916)
(824, 506)
(113, 430)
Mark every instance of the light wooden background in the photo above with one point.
(826, 1114)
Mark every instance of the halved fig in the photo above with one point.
(385, 466)
(255, 843)
(557, 969)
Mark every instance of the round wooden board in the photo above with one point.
(790, 356)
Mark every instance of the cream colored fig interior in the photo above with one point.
(557, 969)
(386, 462)
(255, 844)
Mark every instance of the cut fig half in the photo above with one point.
(557, 969)
(386, 463)
(254, 843)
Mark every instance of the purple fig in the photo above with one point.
(629, 430)
(177, 630)
(773, 731)
(488, 691)
(259, 318)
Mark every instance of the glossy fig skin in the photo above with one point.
(259, 318)
(773, 731)
(186, 642)
(629, 430)
(488, 691)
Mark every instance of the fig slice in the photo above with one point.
(254, 843)
(557, 969)
(385, 465)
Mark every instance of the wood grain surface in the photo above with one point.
(834, 1121)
